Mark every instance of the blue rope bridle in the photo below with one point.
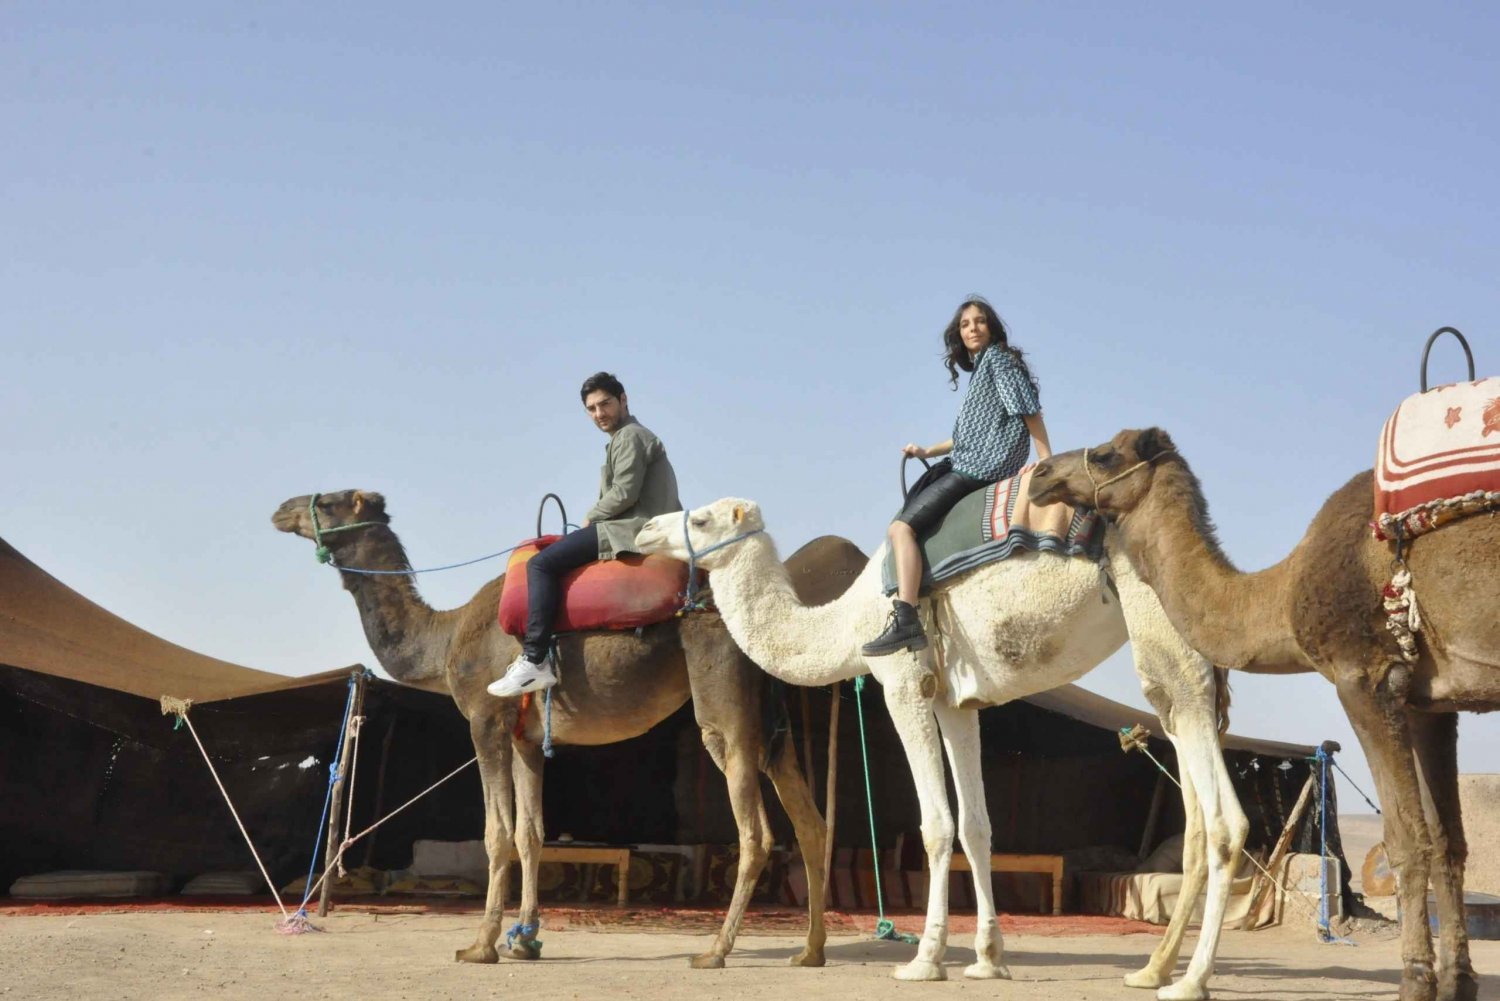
(690, 596)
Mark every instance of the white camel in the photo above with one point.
(1007, 630)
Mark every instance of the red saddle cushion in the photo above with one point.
(623, 593)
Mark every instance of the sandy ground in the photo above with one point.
(236, 955)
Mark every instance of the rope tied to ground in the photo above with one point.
(884, 928)
(179, 707)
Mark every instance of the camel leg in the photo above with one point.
(1380, 722)
(1223, 831)
(960, 729)
(1159, 968)
(910, 707)
(1435, 737)
(492, 745)
(797, 799)
(737, 760)
(526, 769)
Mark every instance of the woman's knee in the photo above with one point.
(899, 531)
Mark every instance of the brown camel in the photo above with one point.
(615, 685)
(1320, 609)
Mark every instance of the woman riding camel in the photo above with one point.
(999, 418)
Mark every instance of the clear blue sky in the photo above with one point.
(256, 252)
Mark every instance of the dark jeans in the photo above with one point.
(544, 574)
(934, 496)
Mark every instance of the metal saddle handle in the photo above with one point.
(925, 465)
(542, 509)
(1468, 355)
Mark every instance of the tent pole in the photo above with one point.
(335, 815)
(1153, 816)
(1259, 884)
(807, 743)
(385, 758)
(830, 792)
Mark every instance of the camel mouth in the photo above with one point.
(288, 517)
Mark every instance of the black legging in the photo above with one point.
(929, 501)
(544, 574)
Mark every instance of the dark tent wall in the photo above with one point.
(92, 778)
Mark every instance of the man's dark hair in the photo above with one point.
(604, 381)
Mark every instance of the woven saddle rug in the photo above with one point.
(995, 523)
(1439, 459)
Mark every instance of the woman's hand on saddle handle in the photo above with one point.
(919, 452)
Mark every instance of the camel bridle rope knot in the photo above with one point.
(325, 555)
(1089, 472)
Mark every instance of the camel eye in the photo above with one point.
(1106, 457)
(699, 521)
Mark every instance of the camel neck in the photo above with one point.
(402, 629)
(1235, 619)
(791, 641)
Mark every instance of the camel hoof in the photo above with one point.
(920, 970)
(1418, 982)
(808, 957)
(1182, 991)
(526, 949)
(1147, 978)
(477, 954)
(1460, 987)
(707, 961)
(986, 970)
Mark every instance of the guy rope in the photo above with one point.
(1134, 738)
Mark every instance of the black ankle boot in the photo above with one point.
(903, 631)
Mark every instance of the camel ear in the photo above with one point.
(368, 502)
(738, 514)
(1153, 442)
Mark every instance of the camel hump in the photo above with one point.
(623, 593)
(822, 570)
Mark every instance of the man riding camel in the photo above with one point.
(636, 484)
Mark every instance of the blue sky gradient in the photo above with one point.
(252, 254)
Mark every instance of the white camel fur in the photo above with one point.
(1007, 630)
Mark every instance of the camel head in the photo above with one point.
(340, 515)
(1114, 477)
(721, 522)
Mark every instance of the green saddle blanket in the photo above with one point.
(997, 522)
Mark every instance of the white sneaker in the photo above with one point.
(523, 676)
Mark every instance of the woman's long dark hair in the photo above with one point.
(956, 356)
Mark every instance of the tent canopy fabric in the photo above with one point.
(47, 627)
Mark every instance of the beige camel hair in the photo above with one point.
(615, 685)
(1008, 630)
(1320, 609)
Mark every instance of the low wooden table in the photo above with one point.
(593, 855)
(1007, 862)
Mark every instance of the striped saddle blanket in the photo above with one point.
(1437, 448)
(997, 522)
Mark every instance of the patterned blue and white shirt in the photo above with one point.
(990, 440)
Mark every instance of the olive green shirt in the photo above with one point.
(637, 483)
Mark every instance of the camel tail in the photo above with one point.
(1222, 698)
(775, 721)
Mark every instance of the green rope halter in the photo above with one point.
(324, 554)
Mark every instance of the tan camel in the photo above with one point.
(1320, 609)
(615, 685)
(1008, 630)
